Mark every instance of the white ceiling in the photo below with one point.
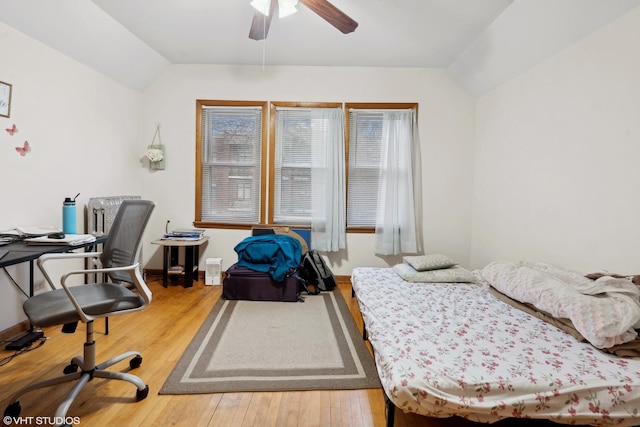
(481, 42)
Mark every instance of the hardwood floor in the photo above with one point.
(161, 333)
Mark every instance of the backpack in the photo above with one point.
(315, 272)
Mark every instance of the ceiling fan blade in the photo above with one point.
(261, 23)
(332, 15)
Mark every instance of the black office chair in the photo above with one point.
(86, 302)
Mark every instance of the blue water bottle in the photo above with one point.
(69, 215)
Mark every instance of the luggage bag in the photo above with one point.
(241, 283)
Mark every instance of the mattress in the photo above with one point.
(445, 349)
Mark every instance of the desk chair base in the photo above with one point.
(88, 371)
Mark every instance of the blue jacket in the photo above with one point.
(270, 253)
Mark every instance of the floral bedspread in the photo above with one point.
(454, 349)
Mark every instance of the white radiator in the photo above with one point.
(101, 211)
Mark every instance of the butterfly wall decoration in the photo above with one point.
(24, 149)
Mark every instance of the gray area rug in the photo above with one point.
(246, 346)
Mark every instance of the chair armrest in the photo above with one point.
(131, 267)
(61, 256)
(136, 277)
(67, 255)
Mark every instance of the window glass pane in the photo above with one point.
(231, 151)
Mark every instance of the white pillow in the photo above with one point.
(455, 274)
(429, 262)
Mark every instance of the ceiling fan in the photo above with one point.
(266, 8)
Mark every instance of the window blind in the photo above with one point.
(292, 171)
(231, 153)
(300, 171)
(365, 150)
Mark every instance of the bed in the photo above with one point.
(455, 349)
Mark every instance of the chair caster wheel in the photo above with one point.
(142, 394)
(13, 410)
(70, 369)
(135, 362)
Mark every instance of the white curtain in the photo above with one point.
(328, 183)
(399, 215)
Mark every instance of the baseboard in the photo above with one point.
(343, 280)
(13, 332)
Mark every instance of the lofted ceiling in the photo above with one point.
(481, 42)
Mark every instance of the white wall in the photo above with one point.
(446, 121)
(556, 164)
(84, 133)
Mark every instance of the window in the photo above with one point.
(308, 166)
(397, 183)
(242, 179)
(364, 162)
(365, 151)
(292, 167)
(229, 162)
(301, 140)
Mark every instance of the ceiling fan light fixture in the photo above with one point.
(262, 6)
(287, 7)
(325, 10)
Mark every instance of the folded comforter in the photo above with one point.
(630, 349)
(606, 311)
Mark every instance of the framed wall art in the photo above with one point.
(5, 99)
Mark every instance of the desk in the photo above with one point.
(19, 252)
(191, 259)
